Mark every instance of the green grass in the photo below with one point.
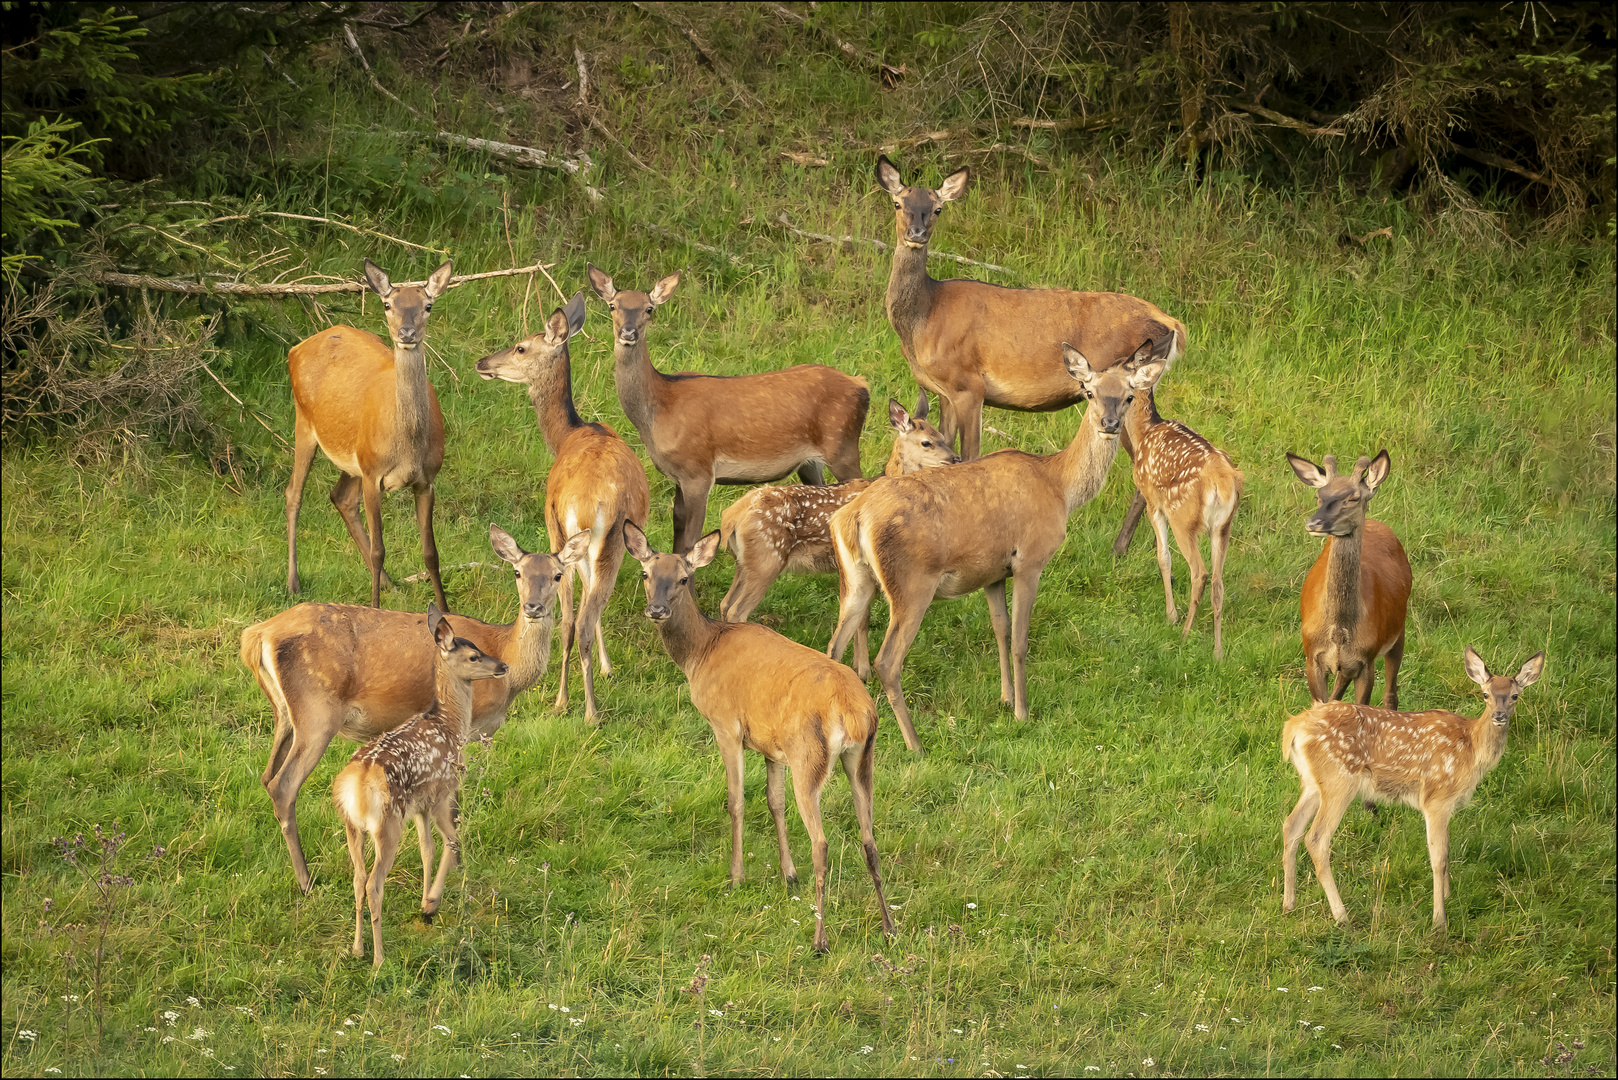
(1095, 887)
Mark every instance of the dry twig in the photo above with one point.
(595, 121)
(239, 288)
(354, 46)
(703, 51)
(890, 75)
(784, 222)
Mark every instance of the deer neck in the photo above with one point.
(1488, 741)
(553, 405)
(453, 700)
(1081, 469)
(687, 633)
(638, 383)
(414, 392)
(910, 293)
(1141, 417)
(526, 652)
(1342, 607)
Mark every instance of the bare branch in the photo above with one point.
(354, 46)
(889, 74)
(784, 222)
(672, 235)
(1283, 120)
(595, 121)
(707, 54)
(239, 288)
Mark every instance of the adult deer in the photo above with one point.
(1191, 487)
(777, 530)
(973, 344)
(950, 532)
(1357, 595)
(761, 691)
(1430, 760)
(373, 412)
(410, 773)
(702, 430)
(596, 483)
(334, 670)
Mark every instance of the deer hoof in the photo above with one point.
(427, 917)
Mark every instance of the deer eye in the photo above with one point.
(937, 210)
(521, 350)
(558, 576)
(429, 307)
(386, 306)
(926, 444)
(650, 308)
(517, 574)
(1128, 399)
(898, 205)
(684, 580)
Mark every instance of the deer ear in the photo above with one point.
(576, 548)
(438, 282)
(888, 176)
(504, 545)
(1146, 377)
(575, 312)
(897, 415)
(703, 552)
(1077, 365)
(921, 405)
(442, 632)
(601, 283)
(1532, 670)
(1307, 471)
(1378, 472)
(635, 541)
(377, 279)
(954, 185)
(556, 327)
(1476, 669)
(664, 289)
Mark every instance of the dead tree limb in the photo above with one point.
(1072, 123)
(1483, 157)
(709, 248)
(1282, 120)
(354, 46)
(786, 223)
(590, 115)
(578, 165)
(888, 73)
(244, 288)
(708, 56)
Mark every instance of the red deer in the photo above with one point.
(337, 669)
(596, 483)
(702, 430)
(1357, 594)
(373, 412)
(761, 691)
(410, 773)
(1191, 487)
(776, 530)
(950, 532)
(1432, 761)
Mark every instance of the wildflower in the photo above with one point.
(441, 1027)
(245, 1011)
(795, 900)
(895, 907)
(1312, 989)
(169, 1015)
(1305, 1023)
(193, 1002)
(1202, 1027)
(320, 1070)
(398, 1057)
(52, 1069)
(151, 1029)
(207, 1051)
(1281, 990)
(957, 1031)
(231, 1068)
(1334, 1046)
(27, 1036)
(575, 1020)
(1092, 1068)
(1148, 1062)
(566, 1009)
(866, 1049)
(553, 1008)
(715, 1012)
(320, 1050)
(71, 998)
(168, 1038)
(197, 1034)
(347, 1023)
(971, 907)
(373, 1033)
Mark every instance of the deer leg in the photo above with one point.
(972, 427)
(1126, 531)
(345, 496)
(1364, 682)
(859, 763)
(856, 587)
(1438, 853)
(1218, 547)
(1292, 831)
(444, 818)
(589, 629)
(775, 791)
(1165, 564)
(303, 456)
(287, 781)
(1186, 537)
(356, 855)
(569, 626)
(424, 836)
(752, 582)
(812, 472)
(371, 491)
(688, 529)
(904, 620)
(1024, 592)
(806, 786)
(1390, 673)
(387, 846)
(845, 462)
(1332, 807)
(429, 546)
(731, 750)
(1314, 671)
(995, 593)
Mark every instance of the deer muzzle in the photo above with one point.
(628, 336)
(536, 612)
(657, 612)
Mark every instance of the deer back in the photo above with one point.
(1418, 758)
(345, 384)
(1384, 593)
(595, 477)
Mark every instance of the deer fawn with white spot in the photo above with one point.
(761, 691)
(1430, 760)
(1190, 487)
(412, 772)
(373, 412)
(786, 530)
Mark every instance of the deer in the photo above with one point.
(374, 414)
(1431, 760)
(596, 483)
(702, 430)
(334, 670)
(775, 530)
(950, 532)
(411, 773)
(1191, 487)
(1357, 595)
(764, 692)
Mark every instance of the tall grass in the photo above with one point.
(1095, 888)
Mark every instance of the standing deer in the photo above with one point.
(776, 530)
(702, 430)
(334, 670)
(1430, 760)
(1357, 595)
(596, 483)
(410, 773)
(761, 691)
(373, 412)
(950, 532)
(1192, 487)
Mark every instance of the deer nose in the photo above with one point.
(482, 368)
(500, 670)
(535, 611)
(1315, 526)
(628, 335)
(657, 612)
(1109, 425)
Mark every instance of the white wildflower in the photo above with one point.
(1148, 1062)
(866, 1049)
(1312, 989)
(197, 1034)
(442, 1028)
(349, 1022)
(715, 1012)
(168, 1038)
(169, 1016)
(27, 1036)
(397, 1057)
(1202, 1027)
(1281, 990)
(565, 1009)
(971, 907)
(52, 1069)
(193, 1002)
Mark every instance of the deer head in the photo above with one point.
(458, 656)
(538, 574)
(1342, 500)
(406, 307)
(532, 359)
(1110, 392)
(916, 209)
(1500, 692)
(666, 574)
(631, 311)
(918, 444)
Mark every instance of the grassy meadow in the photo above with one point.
(1096, 890)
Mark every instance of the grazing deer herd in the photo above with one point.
(416, 689)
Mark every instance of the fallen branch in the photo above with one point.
(711, 250)
(339, 224)
(703, 51)
(531, 157)
(889, 74)
(1282, 120)
(1386, 230)
(1007, 148)
(595, 121)
(240, 288)
(805, 159)
(423, 576)
(1483, 157)
(786, 223)
(354, 46)
(407, 24)
(1072, 123)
